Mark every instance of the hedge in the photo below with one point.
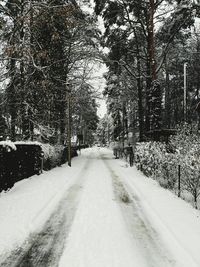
(22, 160)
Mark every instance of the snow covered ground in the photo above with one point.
(98, 213)
(25, 209)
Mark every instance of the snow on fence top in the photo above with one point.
(9, 144)
(48, 150)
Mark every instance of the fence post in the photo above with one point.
(131, 157)
(42, 162)
(179, 180)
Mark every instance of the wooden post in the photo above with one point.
(41, 162)
(69, 124)
(179, 180)
(185, 92)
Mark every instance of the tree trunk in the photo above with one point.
(139, 87)
(12, 101)
(195, 199)
(153, 86)
(167, 98)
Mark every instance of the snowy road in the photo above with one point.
(98, 222)
(109, 228)
(142, 233)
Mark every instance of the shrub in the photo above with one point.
(18, 161)
(52, 155)
(154, 161)
(161, 161)
(21, 160)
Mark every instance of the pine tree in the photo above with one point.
(137, 22)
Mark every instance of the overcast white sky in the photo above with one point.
(100, 85)
(98, 82)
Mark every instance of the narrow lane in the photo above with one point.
(98, 223)
(110, 229)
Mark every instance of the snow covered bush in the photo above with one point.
(160, 161)
(154, 161)
(52, 155)
(148, 157)
(21, 160)
(167, 174)
(9, 145)
(187, 146)
(18, 161)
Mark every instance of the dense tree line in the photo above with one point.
(47, 49)
(47, 52)
(148, 43)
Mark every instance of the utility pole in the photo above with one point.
(185, 91)
(68, 89)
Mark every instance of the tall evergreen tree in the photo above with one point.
(46, 46)
(136, 22)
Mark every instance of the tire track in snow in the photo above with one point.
(45, 248)
(141, 231)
